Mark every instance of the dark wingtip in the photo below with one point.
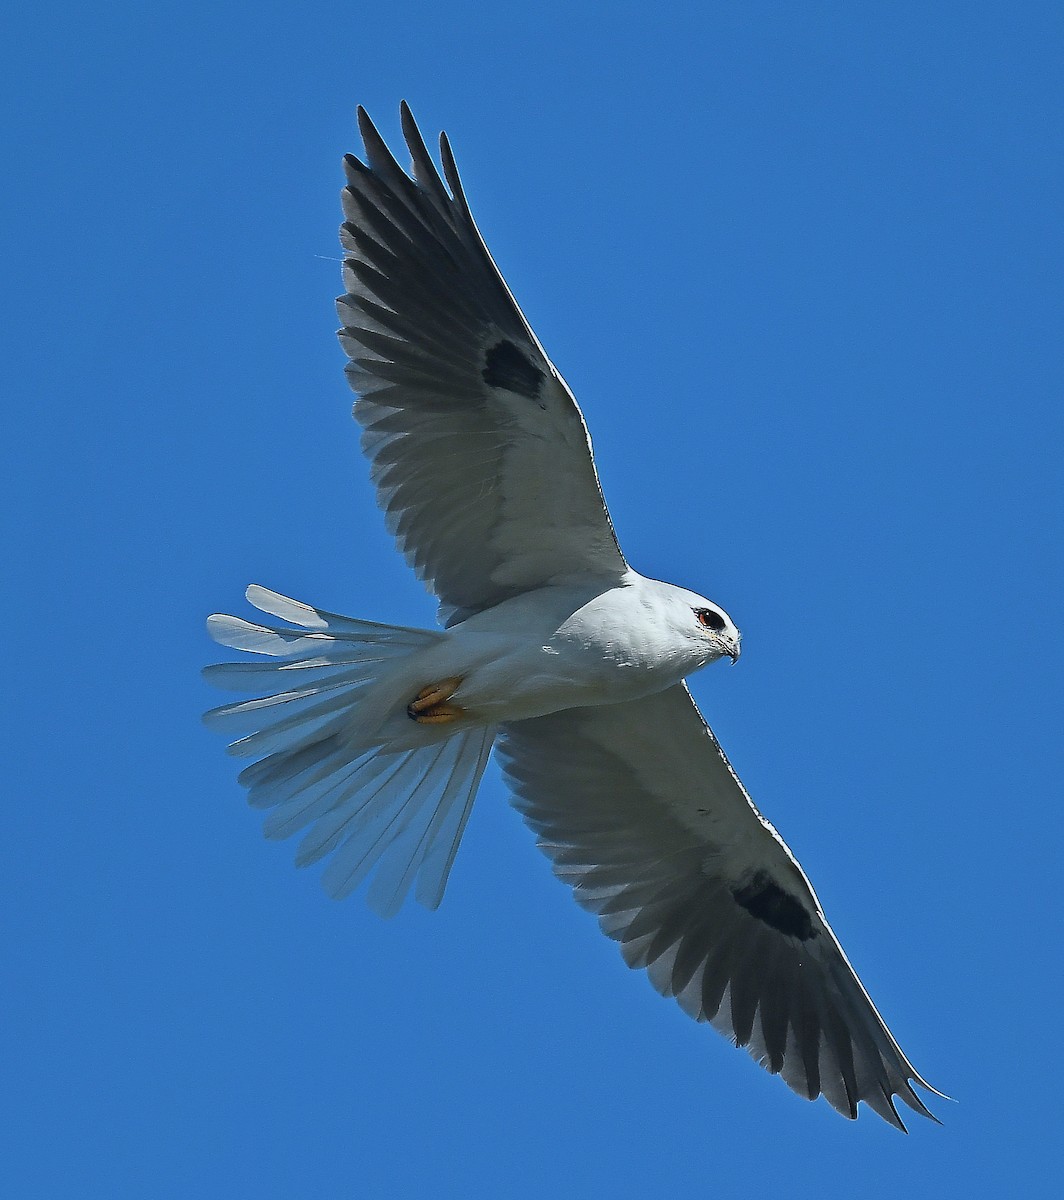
(932, 1089)
(365, 122)
(409, 125)
(369, 134)
(380, 157)
(914, 1102)
(892, 1115)
(450, 173)
(425, 172)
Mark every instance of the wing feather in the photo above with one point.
(643, 816)
(480, 455)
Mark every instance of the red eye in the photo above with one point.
(709, 619)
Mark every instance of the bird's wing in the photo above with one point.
(480, 455)
(644, 817)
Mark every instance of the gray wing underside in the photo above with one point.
(644, 818)
(480, 455)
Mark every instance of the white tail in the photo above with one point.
(320, 727)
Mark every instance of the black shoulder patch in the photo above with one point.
(766, 900)
(505, 366)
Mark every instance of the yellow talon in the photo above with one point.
(429, 708)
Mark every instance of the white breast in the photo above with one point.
(568, 647)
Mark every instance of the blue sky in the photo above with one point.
(801, 264)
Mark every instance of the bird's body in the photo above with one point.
(371, 739)
(575, 645)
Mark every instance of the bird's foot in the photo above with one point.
(430, 707)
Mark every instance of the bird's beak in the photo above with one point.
(735, 651)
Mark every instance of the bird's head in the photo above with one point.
(707, 625)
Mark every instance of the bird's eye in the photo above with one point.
(709, 619)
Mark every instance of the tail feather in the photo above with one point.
(278, 777)
(361, 796)
(326, 764)
(297, 704)
(238, 634)
(381, 816)
(353, 628)
(254, 676)
(411, 828)
(290, 733)
(449, 822)
(305, 804)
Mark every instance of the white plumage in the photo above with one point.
(370, 740)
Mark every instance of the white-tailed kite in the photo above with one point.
(371, 739)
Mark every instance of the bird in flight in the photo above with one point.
(370, 740)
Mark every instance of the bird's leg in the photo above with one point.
(429, 706)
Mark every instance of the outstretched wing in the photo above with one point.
(644, 817)
(480, 455)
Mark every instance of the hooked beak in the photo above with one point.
(735, 651)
